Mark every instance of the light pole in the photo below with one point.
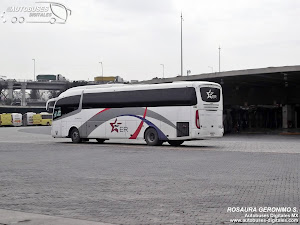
(163, 65)
(33, 69)
(219, 59)
(181, 19)
(212, 69)
(102, 70)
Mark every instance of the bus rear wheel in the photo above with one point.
(75, 136)
(152, 138)
(175, 142)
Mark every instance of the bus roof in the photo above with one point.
(129, 87)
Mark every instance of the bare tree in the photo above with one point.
(54, 94)
(34, 94)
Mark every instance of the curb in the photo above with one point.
(287, 133)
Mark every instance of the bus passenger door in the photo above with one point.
(56, 129)
(64, 128)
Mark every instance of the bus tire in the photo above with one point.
(151, 137)
(175, 142)
(100, 141)
(75, 136)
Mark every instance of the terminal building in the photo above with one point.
(256, 98)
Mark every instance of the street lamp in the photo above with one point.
(163, 65)
(181, 19)
(33, 69)
(102, 70)
(219, 59)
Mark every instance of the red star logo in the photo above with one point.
(114, 126)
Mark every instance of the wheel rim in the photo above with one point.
(151, 137)
(75, 135)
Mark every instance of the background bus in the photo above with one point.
(173, 112)
(43, 118)
(5, 119)
(16, 119)
(28, 119)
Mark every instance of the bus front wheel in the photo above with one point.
(75, 136)
(175, 142)
(152, 138)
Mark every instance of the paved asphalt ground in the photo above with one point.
(132, 183)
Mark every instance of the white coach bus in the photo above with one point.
(170, 112)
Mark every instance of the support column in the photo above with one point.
(10, 86)
(287, 116)
(23, 89)
(296, 119)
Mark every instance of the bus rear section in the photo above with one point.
(28, 119)
(209, 112)
(16, 119)
(6, 119)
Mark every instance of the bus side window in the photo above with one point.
(141, 98)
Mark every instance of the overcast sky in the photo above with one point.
(133, 37)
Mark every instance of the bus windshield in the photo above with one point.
(57, 112)
(50, 104)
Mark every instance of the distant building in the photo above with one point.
(255, 98)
